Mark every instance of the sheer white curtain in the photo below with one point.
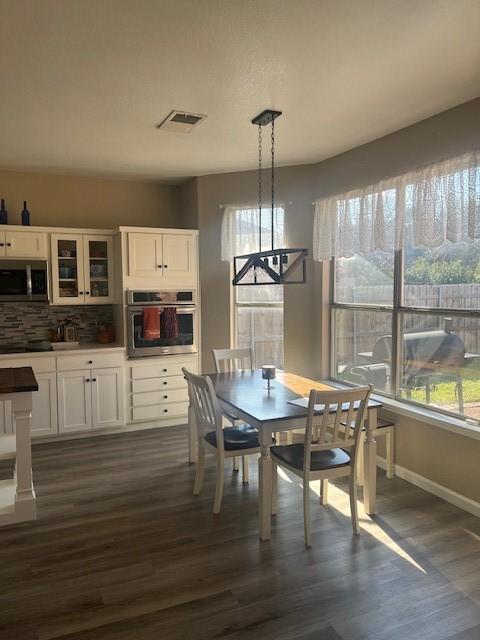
(441, 202)
(240, 229)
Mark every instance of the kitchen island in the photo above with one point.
(17, 496)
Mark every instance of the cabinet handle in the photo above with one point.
(159, 266)
(87, 293)
(165, 266)
(9, 244)
(2, 244)
(94, 379)
(165, 411)
(165, 397)
(165, 383)
(165, 370)
(87, 379)
(90, 362)
(80, 293)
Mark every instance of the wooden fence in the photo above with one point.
(359, 331)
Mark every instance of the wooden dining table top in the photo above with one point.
(247, 392)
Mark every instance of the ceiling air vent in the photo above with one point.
(181, 121)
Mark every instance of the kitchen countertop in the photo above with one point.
(87, 347)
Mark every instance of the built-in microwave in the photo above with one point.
(23, 280)
(161, 323)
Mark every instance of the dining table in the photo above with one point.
(245, 394)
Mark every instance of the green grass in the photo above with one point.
(443, 393)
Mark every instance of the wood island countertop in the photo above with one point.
(17, 380)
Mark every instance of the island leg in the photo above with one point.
(265, 483)
(25, 495)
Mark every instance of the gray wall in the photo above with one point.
(72, 201)
(443, 457)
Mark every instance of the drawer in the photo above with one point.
(39, 364)
(89, 360)
(163, 368)
(158, 384)
(159, 397)
(154, 412)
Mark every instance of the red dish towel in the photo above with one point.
(151, 324)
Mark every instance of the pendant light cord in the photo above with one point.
(259, 187)
(273, 177)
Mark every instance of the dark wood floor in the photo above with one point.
(123, 550)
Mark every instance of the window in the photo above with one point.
(406, 314)
(257, 310)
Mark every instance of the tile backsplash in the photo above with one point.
(22, 321)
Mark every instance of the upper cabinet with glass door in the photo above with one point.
(98, 269)
(82, 269)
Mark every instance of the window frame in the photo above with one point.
(234, 304)
(398, 310)
(255, 305)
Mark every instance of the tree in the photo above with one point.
(425, 271)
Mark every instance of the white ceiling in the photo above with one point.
(84, 82)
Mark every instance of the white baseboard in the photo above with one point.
(467, 504)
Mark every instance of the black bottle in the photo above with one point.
(25, 215)
(3, 213)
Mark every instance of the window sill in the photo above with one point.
(449, 423)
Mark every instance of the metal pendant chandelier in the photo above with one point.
(275, 266)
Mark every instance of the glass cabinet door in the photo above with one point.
(98, 269)
(67, 265)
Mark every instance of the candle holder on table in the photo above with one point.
(269, 373)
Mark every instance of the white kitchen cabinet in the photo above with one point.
(145, 255)
(23, 244)
(90, 399)
(74, 401)
(44, 408)
(158, 388)
(98, 269)
(107, 398)
(82, 269)
(178, 256)
(165, 257)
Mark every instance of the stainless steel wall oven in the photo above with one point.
(161, 322)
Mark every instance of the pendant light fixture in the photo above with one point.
(274, 266)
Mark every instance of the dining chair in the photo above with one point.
(329, 449)
(385, 428)
(222, 442)
(226, 361)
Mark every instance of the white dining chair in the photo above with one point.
(329, 449)
(213, 437)
(227, 361)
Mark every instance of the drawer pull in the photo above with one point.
(165, 383)
(165, 370)
(90, 362)
(165, 411)
(87, 379)
(165, 397)
(94, 379)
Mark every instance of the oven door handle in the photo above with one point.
(28, 269)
